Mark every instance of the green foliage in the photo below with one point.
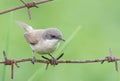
(100, 22)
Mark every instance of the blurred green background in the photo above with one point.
(100, 29)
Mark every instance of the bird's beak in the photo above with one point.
(62, 39)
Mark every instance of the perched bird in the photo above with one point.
(42, 41)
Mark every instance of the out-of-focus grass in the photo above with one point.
(72, 35)
(7, 41)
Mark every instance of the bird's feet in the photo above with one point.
(33, 60)
(53, 61)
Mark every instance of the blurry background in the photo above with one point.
(100, 29)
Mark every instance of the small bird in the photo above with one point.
(42, 41)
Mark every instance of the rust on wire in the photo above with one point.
(48, 61)
(111, 58)
(29, 5)
(10, 62)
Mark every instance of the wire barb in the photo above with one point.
(12, 71)
(28, 5)
(47, 61)
(60, 56)
(16, 64)
(111, 58)
(4, 54)
(9, 62)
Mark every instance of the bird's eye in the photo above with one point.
(53, 36)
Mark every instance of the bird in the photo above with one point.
(42, 41)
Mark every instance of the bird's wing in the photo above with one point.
(33, 37)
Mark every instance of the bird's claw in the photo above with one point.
(53, 61)
(33, 60)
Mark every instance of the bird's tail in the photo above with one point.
(25, 26)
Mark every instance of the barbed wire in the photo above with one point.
(48, 61)
(26, 5)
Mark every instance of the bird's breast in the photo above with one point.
(46, 46)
